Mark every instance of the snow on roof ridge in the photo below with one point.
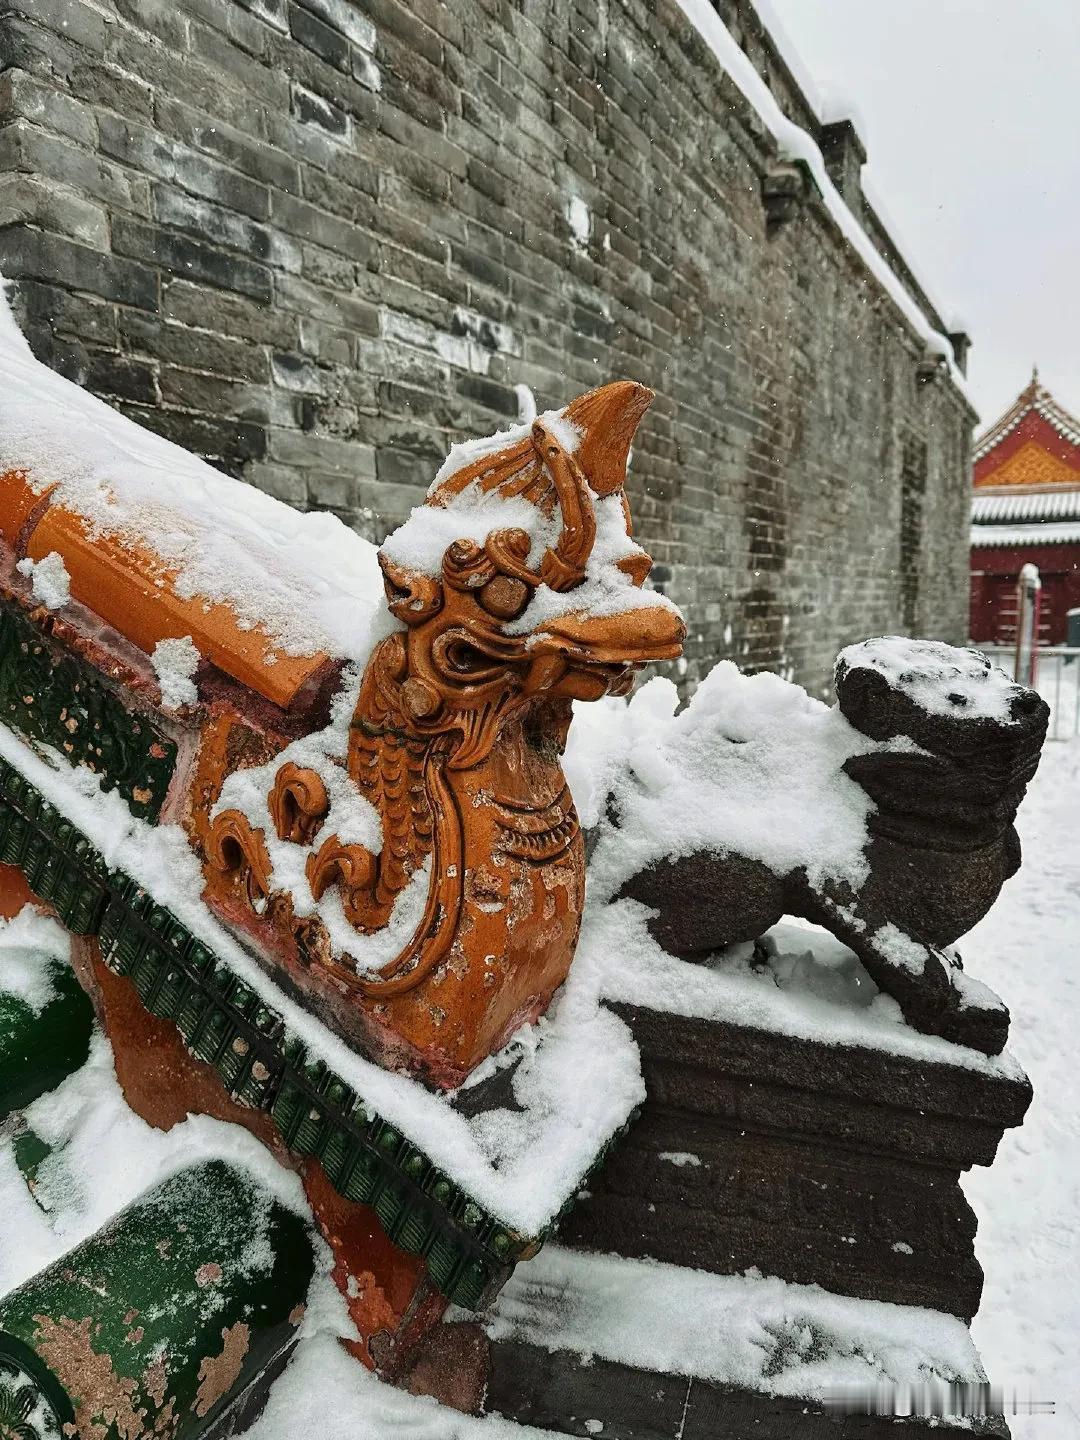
(1044, 502)
(795, 143)
(1064, 532)
(305, 580)
(1034, 397)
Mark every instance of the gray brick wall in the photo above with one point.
(318, 241)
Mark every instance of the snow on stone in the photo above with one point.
(50, 583)
(30, 946)
(753, 765)
(750, 1331)
(899, 948)
(326, 1393)
(307, 580)
(175, 663)
(940, 679)
(827, 997)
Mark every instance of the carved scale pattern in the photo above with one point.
(388, 766)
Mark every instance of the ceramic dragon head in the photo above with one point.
(518, 590)
(522, 611)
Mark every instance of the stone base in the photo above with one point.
(571, 1395)
(820, 1164)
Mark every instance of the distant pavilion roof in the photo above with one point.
(1015, 536)
(1034, 399)
(1027, 475)
(1003, 505)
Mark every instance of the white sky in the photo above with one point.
(970, 113)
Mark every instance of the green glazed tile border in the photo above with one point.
(469, 1253)
(50, 695)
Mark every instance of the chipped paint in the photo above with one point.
(219, 1373)
(104, 1400)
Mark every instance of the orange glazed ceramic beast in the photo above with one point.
(516, 590)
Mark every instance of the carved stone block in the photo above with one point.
(821, 1164)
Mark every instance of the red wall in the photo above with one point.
(994, 574)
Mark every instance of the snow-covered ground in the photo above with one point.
(1028, 1203)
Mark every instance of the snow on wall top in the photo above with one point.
(796, 144)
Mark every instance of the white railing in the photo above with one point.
(1057, 678)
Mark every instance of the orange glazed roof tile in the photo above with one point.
(162, 546)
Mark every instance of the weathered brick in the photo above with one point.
(79, 23)
(347, 18)
(67, 312)
(22, 96)
(210, 394)
(186, 256)
(307, 222)
(39, 255)
(322, 40)
(35, 201)
(143, 149)
(27, 148)
(279, 481)
(229, 443)
(121, 376)
(260, 162)
(312, 109)
(162, 19)
(195, 349)
(233, 315)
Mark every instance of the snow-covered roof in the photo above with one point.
(1035, 398)
(1012, 503)
(1001, 536)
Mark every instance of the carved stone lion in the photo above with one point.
(940, 845)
